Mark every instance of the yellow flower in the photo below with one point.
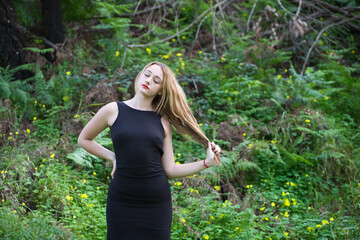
(68, 197)
(206, 236)
(294, 201)
(200, 124)
(287, 202)
(183, 220)
(272, 141)
(117, 53)
(273, 204)
(98, 188)
(318, 226)
(309, 208)
(287, 183)
(309, 229)
(222, 59)
(90, 205)
(148, 50)
(251, 186)
(14, 211)
(182, 64)
(279, 76)
(324, 222)
(307, 120)
(41, 165)
(236, 92)
(247, 186)
(83, 195)
(250, 146)
(16, 133)
(43, 106)
(286, 70)
(23, 204)
(222, 215)
(265, 180)
(276, 217)
(166, 56)
(229, 98)
(237, 228)
(320, 42)
(244, 134)
(326, 98)
(68, 73)
(179, 54)
(286, 214)
(74, 216)
(174, 40)
(2, 200)
(324, 34)
(262, 209)
(35, 102)
(76, 116)
(28, 130)
(212, 217)
(177, 163)
(178, 183)
(290, 76)
(217, 188)
(200, 52)
(249, 85)
(331, 219)
(183, 37)
(84, 181)
(94, 173)
(307, 175)
(179, 154)
(52, 155)
(288, 97)
(266, 219)
(286, 234)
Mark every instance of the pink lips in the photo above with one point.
(144, 86)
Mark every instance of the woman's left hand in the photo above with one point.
(211, 151)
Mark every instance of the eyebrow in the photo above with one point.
(155, 75)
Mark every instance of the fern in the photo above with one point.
(86, 159)
(37, 50)
(232, 165)
(32, 227)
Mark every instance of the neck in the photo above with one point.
(141, 102)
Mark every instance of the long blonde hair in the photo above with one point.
(173, 105)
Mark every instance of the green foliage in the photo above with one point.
(33, 227)
(293, 174)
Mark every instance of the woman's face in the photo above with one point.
(150, 82)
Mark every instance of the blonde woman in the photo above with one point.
(139, 198)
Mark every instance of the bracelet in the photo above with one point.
(205, 164)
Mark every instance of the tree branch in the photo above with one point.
(317, 39)
(181, 31)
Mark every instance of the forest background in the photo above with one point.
(274, 83)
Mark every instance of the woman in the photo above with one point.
(139, 198)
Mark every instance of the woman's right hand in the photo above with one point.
(114, 168)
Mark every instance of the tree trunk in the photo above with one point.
(11, 39)
(53, 28)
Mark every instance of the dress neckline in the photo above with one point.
(138, 109)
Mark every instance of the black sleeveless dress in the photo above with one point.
(139, 198)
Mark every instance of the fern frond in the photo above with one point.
(38, 50)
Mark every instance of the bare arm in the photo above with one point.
(102, 119)
(173, 170)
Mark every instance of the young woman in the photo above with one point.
(139, 198)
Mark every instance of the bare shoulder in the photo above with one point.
(110, 112)
(167, 125)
